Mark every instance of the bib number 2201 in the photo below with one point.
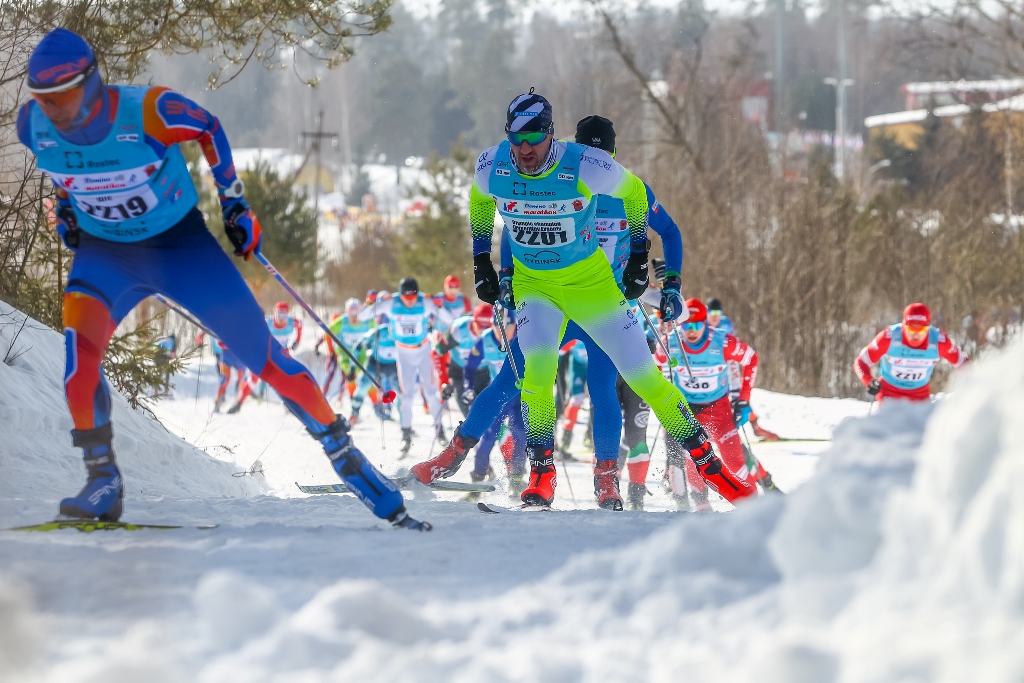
(537, 239)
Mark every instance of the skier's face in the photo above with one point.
(61, 107)
(450, 292)
(714, 317)
(530, 157)
(915, 335)
(692, 332)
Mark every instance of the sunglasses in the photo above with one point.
(693, 327)
(714, 311)
(534, 137)
(915, 329)
(60, 98)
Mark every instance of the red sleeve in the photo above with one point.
(298, 330)
(871, 354)
(465, 302)
(950, 351)
(744, 354)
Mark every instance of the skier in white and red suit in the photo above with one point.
(907, 353)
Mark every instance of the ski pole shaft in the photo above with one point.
(387, 395)
(184, 314)
(508, 349)
(686, 356)
(661, 342)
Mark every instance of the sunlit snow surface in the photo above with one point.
(869, 571)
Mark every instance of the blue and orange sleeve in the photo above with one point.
(170, 117)
(24, 125)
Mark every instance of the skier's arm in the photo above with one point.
(382, 306)
(169, 117)
(950, 351)
(871, 354)
(481, 204)
(506, 251)
(744, 354)
(476, 356)
(671, 239)
(298, 332)
(601, 174)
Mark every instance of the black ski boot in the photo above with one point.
(635, 496)
(406, 441)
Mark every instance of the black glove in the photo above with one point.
(351, 376)
(505, 295)
(446, 392)
(635, 277)
(485, 278)
(874, 386)
(67, 224)
(659, 268)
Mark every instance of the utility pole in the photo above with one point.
(780, 15)
(317, 137)
(840, 85)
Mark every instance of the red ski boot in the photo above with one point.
(447, 461)
(714, 471)
(606, 485)
(541, 490)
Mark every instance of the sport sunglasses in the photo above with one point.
(693, 327)
(533, 137)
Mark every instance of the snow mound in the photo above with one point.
(39, 466)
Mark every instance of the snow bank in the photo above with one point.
(39, 465)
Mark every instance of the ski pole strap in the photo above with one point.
(323, 326)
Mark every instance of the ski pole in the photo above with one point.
(672, 362)
(184, 314)
(388, 396)
(508, 349)
(686, 356)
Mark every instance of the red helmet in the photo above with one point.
(281, 308)
(452, 281)
(698, 311)
(917, 315)
(482, 314)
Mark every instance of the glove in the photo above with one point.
(446, 392)
(505, 295)
(351, 375)
(634, 277)
(659, 268)
(485, 278)
(741, 412)
(294, 345)
(672, 304)
(242, 227)
(67, 224)
(874, 386)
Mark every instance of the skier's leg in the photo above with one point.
(720, 424)
(427, 379)
(196, 267)
(605, 314)
(406, 368)
(483, 450)
(635, 414)
(332, 367)
(456, 378)
(364, 386)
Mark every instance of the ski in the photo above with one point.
(403, 484)
(526, 507)
(483, 507)
(87, 525)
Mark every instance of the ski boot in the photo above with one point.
(541, 491)
(606, 485)
(474, 496)
(103, 495)
(714, 471)
(406, 442)
(217, 404)
(447, 461)
(635, 496)
(441, 436)
(402, 520)
(235, 408)
(768, 485)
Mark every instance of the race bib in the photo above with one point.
(115, 207)
(702, 381)
(411, 326)
(548, 232)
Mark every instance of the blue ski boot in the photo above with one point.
(103, 495)
(363, 479)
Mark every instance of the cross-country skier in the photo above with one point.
(380, 363)
(452, 300)
(544, 190)
(718, 320)
(456, 344)
(410, 314)
(285, 327)
(707, 389)
(127, 207)
(908, 353)
(350, 329)
(228, 362)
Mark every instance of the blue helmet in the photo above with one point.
(63, 60)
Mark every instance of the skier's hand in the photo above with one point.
(485, 278)
(446, 392)
(67, 224)
(741, 412)
(635, 276)
(505, 294)
(351, 375)
(672, 304)
(242, 227)
(874, 386)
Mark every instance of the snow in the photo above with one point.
(898, 555)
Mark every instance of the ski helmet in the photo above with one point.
(698, 311)
(408, 286)
(352, 305)
(917, 315)
(61, 61)
(452, 281)
(714, 304)
(596, 131)
(529, 112)
(371, 295)
(281, 308)
(482, 315)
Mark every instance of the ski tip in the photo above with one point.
(483, 507)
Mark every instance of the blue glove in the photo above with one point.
(505, 296)
(67, 224)
(240, 223)
(672, 304)
(741, 412)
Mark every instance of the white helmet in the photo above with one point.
(352, 305)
